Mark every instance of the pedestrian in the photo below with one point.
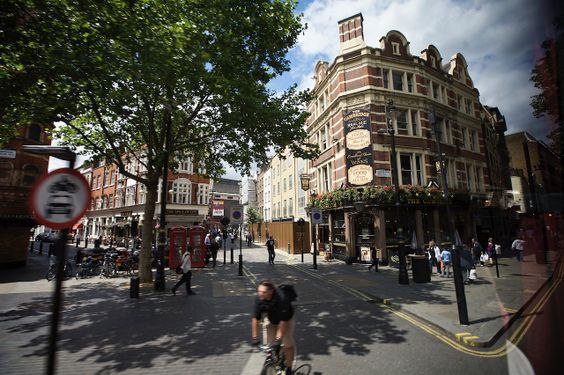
(490, 250)
(186, 274)
(77, 238)
(373, 257)
(214, 247)
(477, 251)
(270, 243)
(517, 247)
(432, 256)
(446, 258)
(466, 263)
(207, 244)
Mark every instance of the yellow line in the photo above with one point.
(516, 337)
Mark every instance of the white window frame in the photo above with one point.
(186, 165)
(324, 176)
(396, 73)
(417, 172)
(182, 191)
(203, 194)
(395, 48)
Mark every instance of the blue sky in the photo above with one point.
(500, 40)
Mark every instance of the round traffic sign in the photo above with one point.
(59, 199)
(236, 215)
(316, 215)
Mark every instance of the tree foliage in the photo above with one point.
(545, 77)
(120, 73)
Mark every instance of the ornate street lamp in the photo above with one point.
(304, 181)
(391, 115)
(458, 283)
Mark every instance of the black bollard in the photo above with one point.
(31, 246)
(134, 287)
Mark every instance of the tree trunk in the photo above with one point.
(145, 271)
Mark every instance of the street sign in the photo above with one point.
(59, 199)
(316, 216)
(8, 154)
(237, 214)
(383, 173)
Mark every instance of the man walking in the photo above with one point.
(186, 275)
(270, 247)
(517, 247)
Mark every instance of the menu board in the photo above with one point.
(359, 157)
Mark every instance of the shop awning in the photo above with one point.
(77, 226)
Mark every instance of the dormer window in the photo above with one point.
(433, 62)
(395, 48)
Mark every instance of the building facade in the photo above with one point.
(118, 202)
(369, 101)
(18, 171)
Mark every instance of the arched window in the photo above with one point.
(30, 173)
(182, 191)
(34, 132)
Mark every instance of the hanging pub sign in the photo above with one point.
(358, 147)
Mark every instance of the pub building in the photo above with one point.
(372, 104)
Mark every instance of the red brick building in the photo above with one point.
(118, 202)
(18, 171)
(349, 121)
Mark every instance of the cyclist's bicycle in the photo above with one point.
(274, 364)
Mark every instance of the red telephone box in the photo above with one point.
(176, 246)
(197, 235)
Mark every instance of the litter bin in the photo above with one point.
(134, 287)
(420, 269)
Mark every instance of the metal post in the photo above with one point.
(315, 247)
(458, 283)
(302, 227)
(224, 245)
(57, 298)
(240, 250)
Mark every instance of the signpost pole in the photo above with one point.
(240, 250)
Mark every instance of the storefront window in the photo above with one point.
(339, 227)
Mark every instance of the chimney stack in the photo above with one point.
(351, 35)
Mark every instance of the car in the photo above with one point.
(47, 236)
(59, 204)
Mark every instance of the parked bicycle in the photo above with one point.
(88, 267)
(52, 271)
(119, 262)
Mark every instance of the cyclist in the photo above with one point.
(280, 313)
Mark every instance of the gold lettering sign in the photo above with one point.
(360, 174)
(358, 139)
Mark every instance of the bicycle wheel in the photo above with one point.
(268, 370)
(51, 273)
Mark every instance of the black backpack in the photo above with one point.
(289, 291)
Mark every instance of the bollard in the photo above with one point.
(376, 265)
(288, 248)
(41, 247)
(31, 246)
(134, 287)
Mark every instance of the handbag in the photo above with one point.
(179, 270)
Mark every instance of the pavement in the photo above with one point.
(104, 331)
(493, 303)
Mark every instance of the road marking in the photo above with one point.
(502, 350)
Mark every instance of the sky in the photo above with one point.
(499, 39)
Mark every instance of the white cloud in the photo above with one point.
(497, 38)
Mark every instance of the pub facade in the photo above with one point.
(395, 131)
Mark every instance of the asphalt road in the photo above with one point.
(103, 331)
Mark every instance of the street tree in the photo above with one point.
(152, 81)
(546, 78)
(253, 217)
